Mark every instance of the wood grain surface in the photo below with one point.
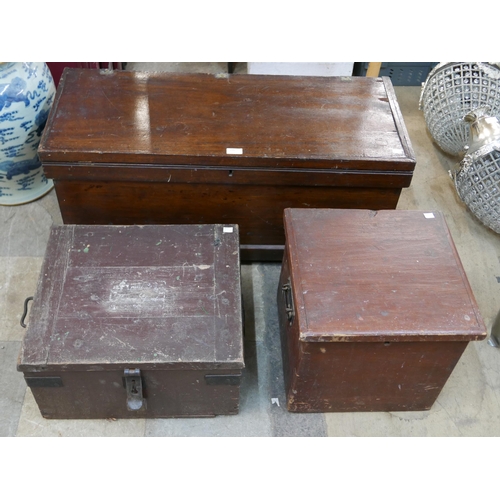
(135, 148)
(192, 119)
(162, 299)
(164, 296)
(363, 275)
(382, 310)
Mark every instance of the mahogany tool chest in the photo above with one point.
(136, 322)
(125, 147)
(375, 310)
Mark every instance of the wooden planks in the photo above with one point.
(150, 295)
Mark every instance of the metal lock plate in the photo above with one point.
(133, 385)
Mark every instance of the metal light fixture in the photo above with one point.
(453, 90)
(461, 106)
(477, 177)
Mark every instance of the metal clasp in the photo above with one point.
(133, 384)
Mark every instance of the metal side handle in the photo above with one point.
(25, 312)
(288, 298)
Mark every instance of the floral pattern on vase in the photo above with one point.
(27, 92)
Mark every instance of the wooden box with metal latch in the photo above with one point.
(136, 322)
(375, 310)
(126, 147)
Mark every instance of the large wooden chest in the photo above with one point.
(136, 321)
(128, 147)
(375, 310)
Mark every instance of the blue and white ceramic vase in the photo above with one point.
(27, 91)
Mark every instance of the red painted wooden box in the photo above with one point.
(127, 147)
(136, 321)
(375, 310)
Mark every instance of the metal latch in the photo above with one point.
(133, 384)
(288, 298)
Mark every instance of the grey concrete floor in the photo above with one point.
(469, 404)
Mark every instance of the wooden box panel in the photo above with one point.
(165, 300)
(167, 393)
(382, 310)
(134, 148)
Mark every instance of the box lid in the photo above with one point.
(253, 121)
(391, 275)
(114, 297)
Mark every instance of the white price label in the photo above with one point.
(234, 151)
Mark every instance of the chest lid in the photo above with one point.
(264, 121)
(116, 297)
(391, 275)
